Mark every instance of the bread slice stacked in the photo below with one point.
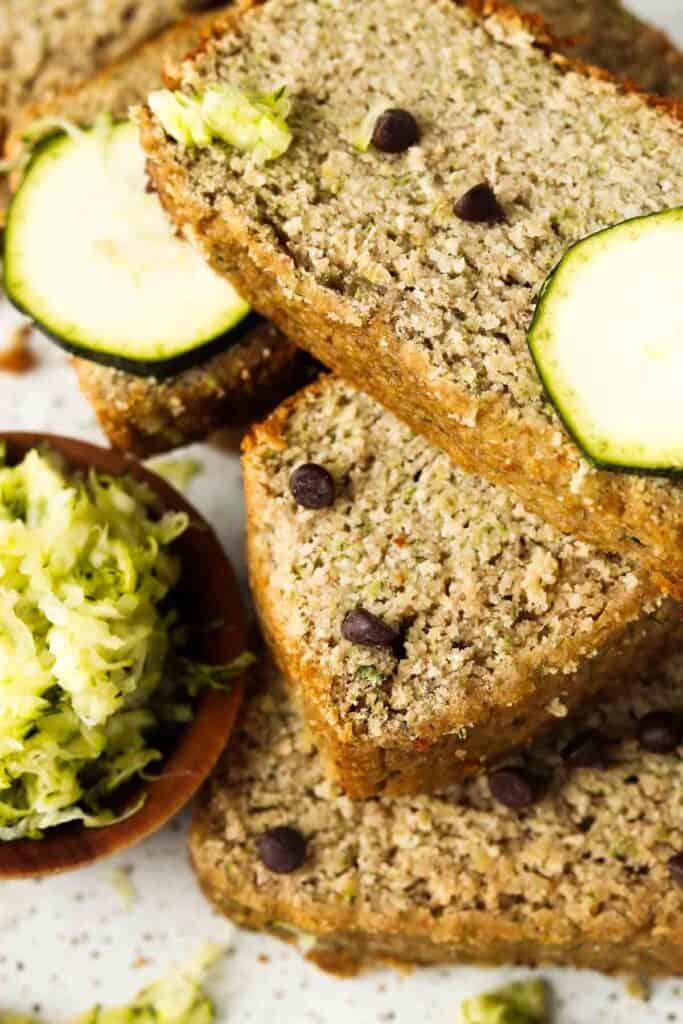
(363, 257)
(470, 749)
(465, 753)
(427, 622)
(49, 45)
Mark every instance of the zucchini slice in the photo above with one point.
(607, 340)
(91, 257)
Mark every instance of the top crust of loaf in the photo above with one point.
(607, 35)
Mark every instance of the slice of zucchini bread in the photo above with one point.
(589, 876)
(425, 620)
(139, 414)
(369, 259)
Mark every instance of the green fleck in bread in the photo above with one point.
(361, 257)
(503, 623)
(580, 879)
(143, 415)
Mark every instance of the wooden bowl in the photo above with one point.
(207, 594)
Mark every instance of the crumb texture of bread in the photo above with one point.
(361, 256)
(504, 622)
(580, 879)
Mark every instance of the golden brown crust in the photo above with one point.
(477, 939)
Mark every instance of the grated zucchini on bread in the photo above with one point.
(502, 623)
(580, 879)
(362, 258)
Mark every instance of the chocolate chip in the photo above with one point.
(676, 868)
(587, 750)
(660, 732)
(363, 628)
(282, 849)
(395, 131)
(514, 787)
(312, 486)
(479, 206)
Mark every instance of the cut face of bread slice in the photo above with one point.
(585, 878)
(473, 624)
(142, 415)
(372, 259)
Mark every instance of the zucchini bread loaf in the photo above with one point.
(143, 415)
(371, 260)
(425, 620)
(589, 876)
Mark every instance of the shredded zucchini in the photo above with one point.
(521, 1002)
(89, 671)
(122, 883)
(254, 123)
(362, 137)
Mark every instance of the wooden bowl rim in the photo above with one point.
(202, 741)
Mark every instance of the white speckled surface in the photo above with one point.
(69, 942)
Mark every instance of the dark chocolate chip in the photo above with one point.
(312, 486)
(479, 206)
(587, 750)
(660, 732)
(363, 628)
(395, 131)
(282, 849)
(514, 787)
(676, 868)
